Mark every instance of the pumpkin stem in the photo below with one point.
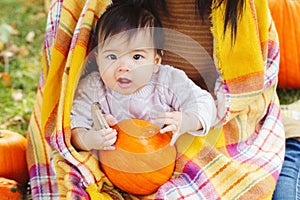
(97, 116)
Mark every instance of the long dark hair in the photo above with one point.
(151, 5)
(233, 10)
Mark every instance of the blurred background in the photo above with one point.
(22, 28)
(22, 25)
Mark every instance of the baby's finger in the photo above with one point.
(110, 119)
(166, 115)
(107, 131)
(110, 141)
(109, 148)
(168, 128)
(110, 134)
(174, 138)
(164, 121)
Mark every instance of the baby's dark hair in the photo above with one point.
(121, 17)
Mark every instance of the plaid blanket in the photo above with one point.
(239, 159)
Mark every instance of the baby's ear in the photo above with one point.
(157, 63)
(158, 58)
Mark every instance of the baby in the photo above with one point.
(132, 83)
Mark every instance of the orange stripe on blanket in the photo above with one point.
(91, 10)
(49, 124)
(234, 184)
(83, 37)
(86, 160)
(36, 118)
(247, 83)
(75, 18)
(62, 42)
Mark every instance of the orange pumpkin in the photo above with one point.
(285, 14)
(13, 157)
(10, 189)
(143, 159)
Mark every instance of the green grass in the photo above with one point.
(25, 16)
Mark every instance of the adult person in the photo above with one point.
(287, 186)
(241, 92)
(239, 159)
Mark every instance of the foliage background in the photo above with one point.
(22, 25)
(22, 28)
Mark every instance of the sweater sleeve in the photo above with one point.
(185, 96)
(85, 95)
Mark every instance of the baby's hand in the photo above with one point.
(178, 123)
(87, 140)
(111, 120)
(103, 139)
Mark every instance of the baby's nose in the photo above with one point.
(123, 69)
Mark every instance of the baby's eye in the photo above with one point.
(112, 57)
(137, 57)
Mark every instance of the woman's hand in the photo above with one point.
(178, 123)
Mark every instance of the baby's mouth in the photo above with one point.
(124, 82)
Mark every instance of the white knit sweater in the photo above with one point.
(168, 90)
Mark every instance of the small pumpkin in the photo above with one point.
(13, 157)
(285, 14)
(10, 189)
(143, 159)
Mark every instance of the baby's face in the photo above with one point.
(127, 64)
